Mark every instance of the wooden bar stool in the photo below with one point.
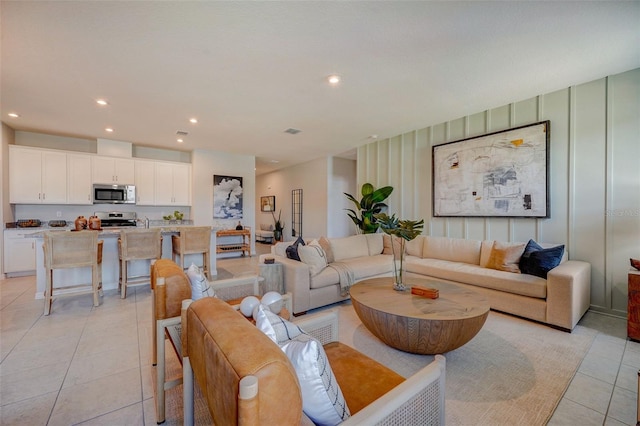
(64, 250)
(137, 244)
(193, 240)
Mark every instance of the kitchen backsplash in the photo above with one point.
(47, 212)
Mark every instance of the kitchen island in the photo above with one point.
(110, 260)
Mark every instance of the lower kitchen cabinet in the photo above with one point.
(19, 252)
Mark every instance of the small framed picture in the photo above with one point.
(268, 203)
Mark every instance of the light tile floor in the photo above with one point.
(86, 365)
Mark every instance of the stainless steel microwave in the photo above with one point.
(114, 194)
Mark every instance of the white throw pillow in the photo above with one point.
(199, 285)
(313, 256)
(322, 398)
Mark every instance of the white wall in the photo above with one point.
(342, 178)
(205, 164)
(322, 182)
(594, 169)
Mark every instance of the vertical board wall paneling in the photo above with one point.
(555, 107)
(623, 174)
(408, 175)
(382, 176)
(395, 175)
(423, 178)
(589, 127)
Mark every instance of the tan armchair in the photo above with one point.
(248, 387)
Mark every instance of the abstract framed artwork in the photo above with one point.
(500, 174)
(227, 197)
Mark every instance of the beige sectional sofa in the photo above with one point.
(559, 300)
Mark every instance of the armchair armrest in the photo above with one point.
(568, 293)
(418, 400)
(323, 326)
(297, 282)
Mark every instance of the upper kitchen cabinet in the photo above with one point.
(173, 184)
(145, 183)
(37, 176)
(113, 170)
(79, 185)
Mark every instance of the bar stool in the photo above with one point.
(193, 240)
(137, 244)
(64, 250)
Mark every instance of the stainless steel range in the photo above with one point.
(117, 219)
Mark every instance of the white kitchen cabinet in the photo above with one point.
(19, 252)
(145, 182)
(113, 170)
(173, 184)
(37, 176)
(79, 186)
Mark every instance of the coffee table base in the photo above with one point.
(434, 333)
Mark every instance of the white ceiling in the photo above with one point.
(250, 70)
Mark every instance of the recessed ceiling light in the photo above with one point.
(13, 115)
(102, 102)
(180, 140)
(274, 161)
(333, 79)
(108, 129)
(193, 120)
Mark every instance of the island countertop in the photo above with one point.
(110, 259)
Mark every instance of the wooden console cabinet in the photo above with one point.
(633, 306)
(241, 244)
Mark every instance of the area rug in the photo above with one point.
(513, 372)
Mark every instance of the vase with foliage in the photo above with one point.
(278, 226)
(404, 230)
(371, 204)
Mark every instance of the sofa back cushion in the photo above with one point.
(349, 247)
(452, 249)
(415, 246)
(375, 244)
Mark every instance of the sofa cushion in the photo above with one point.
(452, 249)
(370, 266)
(314, 256)
(505, 256)
(292, 250)
(522, 284)
(539, 261)
(264, 227)
(415, 246)
(388, 248)
(325, 278)
(322, 398)
(375, 244)
(326, 246)
(349, 247)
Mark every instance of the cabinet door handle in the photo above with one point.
(43, 196)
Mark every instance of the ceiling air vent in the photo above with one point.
(182, 133)
(292, 131)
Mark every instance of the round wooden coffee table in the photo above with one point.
(418, 324)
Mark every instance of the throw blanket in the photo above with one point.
(346, 275)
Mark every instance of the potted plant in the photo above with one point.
(278, 226)
(405, 230)
(371, 203)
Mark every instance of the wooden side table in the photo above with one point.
(633, 305)
(273, 278)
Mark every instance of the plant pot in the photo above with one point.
(277, 235)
